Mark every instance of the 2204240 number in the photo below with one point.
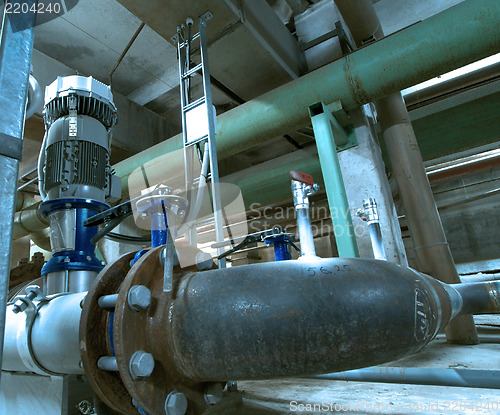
(40, 8)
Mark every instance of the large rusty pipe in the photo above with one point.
(260, 321)
(303, 317)
(430, 244)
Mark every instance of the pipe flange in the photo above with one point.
(95, 337)
(144, 331)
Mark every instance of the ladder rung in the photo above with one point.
(195, 141)
(194, 104)
(193, 70)
(196, 36)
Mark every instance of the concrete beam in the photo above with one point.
(261, 20)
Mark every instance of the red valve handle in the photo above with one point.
(302, 177)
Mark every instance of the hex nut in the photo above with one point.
(213, 393)
(176, 404)
(139, 297)
(141, 364)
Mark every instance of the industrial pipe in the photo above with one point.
(44, 340)
(430, 244)
(16, 45)
(35, 97)
(480, 297)
(465, 378)
(411, 56)
(28, 220)
(259, 321)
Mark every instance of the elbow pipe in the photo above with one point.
(35, 97)
(27, 221)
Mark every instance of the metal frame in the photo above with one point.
(16, 45)
(261, 20)
(209, 139)
(330, 136)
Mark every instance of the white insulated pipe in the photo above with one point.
(48, 345)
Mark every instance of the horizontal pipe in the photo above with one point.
(452, 87)
(479, 278)
(50, 343)
(480, 297)
(404, 59)
(302, 317)
(466, 378)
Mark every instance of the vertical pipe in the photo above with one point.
(372, 219)
(343, 229)
(431, 247)
(16, 45)
(305, 232)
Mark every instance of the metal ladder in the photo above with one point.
(199, 123)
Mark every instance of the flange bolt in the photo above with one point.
(139, 297)
(141, 364)
(176, 404)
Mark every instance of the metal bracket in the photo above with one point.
(345, 135)
(11, 147)
(205, 17)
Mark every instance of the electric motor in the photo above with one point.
(75, 177)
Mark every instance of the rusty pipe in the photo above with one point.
(259, 321)
(303, 317)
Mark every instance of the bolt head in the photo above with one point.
(213, 393)
(176, 404)
(139, 297)
(141, 364)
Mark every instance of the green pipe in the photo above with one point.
(406, 58)
(327, 131)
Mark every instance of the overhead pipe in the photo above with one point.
(430, 244)
(406, 58)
